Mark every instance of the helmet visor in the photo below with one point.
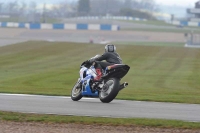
(111, 48)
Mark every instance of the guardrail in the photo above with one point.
(186, 23)
(63, 26)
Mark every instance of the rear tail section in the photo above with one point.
(117, 71)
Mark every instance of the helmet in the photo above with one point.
(110, 48)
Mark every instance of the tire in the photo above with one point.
(76, 92)
(109, 92)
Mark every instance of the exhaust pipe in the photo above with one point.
(122, 86)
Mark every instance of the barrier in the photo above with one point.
(12, 24)
(63, 26)
(186, 23)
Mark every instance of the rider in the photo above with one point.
(110, 56)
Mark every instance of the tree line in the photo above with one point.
(65, 9)
(102, 7)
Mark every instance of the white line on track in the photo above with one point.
(27, 95)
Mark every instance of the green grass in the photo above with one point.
(21, 117)
(167, 44)
(186, 29)
(165, 74)
(175, 30)
(17, 19)
(149, 22)
(156, 23)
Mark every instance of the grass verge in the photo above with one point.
(166, 44)
(22, 117)
(16, 19)
(174, 30)
(149, 22)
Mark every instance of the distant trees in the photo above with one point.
(23, 8)
(133, 8)
(135, 13)
(149, 5)
(63, 10)
(105, 7)
(13, 8)
(59, 10)
(32, 7)
(83, 7)
(1, 7)
(33, 11)
(128, 4)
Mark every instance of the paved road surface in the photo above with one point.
(11, 36)
(93, 107)
(122, 24)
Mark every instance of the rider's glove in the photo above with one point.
(87, 62)
(91, 60)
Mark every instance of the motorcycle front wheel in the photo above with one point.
(76, 91)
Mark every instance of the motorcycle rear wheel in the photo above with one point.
(109, 90)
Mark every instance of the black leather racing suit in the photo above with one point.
(110, 58)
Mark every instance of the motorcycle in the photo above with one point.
(106, 89)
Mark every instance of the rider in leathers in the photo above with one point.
(110, 56)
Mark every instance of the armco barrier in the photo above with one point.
(21, 25)
(186, 23)
(35, 26)
(58, 26)
(64, 26)
(82, 26)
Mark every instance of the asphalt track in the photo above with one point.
(93, 107)
(11, 36)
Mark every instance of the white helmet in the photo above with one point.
(110, 48)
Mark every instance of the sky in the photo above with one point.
(184, 3)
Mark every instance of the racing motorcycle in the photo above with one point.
(106, 88)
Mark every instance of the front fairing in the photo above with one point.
(86, 91)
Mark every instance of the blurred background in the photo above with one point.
(127, 15)
(170, 21)
(59, 10)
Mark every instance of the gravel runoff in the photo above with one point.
(32, 127)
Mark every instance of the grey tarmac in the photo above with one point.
(93, 107)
